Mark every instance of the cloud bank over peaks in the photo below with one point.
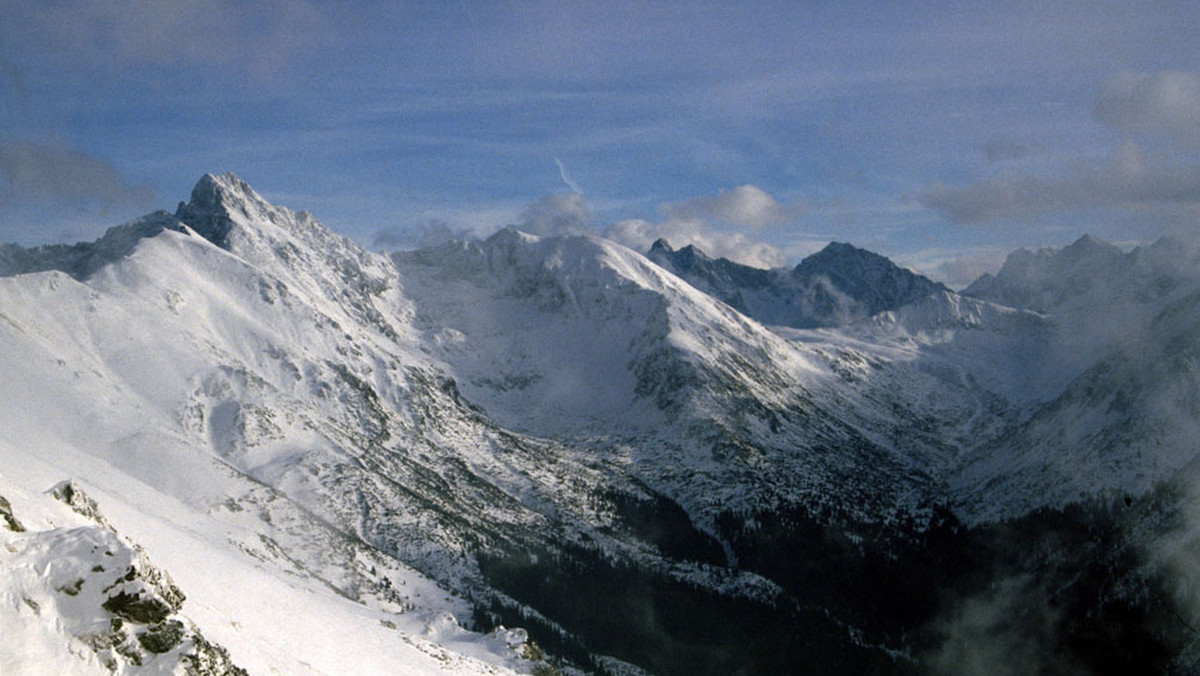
(33, 172)
(1130, 178)
(745, 206)
(730, 224)
(955, 268)
(427, 233)
(554, 214)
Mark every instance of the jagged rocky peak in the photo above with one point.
(847, 261)
(219, 206)
(1088, 246)
(712, 275)
(218, 203)
(872, 281)
(660, 246)
(688, 256)
(226, 193)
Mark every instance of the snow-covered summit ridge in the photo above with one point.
(870, 280)
(226, 211)
(223, 209)
(83, 259)
(1090, 273)
(836, 286)
(219, 203)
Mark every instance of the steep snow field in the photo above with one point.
(272, 617)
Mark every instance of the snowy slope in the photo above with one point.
(178, 377)
(1125, 426)
(579, 337)
(78, 599)
(233, 586)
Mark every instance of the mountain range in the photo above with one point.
(555, 454)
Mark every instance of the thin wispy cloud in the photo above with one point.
(1009, 150)
(1128, 179)
(562, 172)
(255, 38)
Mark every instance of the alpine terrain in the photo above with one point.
(232, 441)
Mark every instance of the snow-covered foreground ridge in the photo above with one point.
(186, 387)
(342, 458)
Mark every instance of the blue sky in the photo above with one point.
(940, 134)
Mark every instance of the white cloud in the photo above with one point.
(556, 214)
(1166, 101)
(744, 206)
(955, 268)
(726, 225)
(1129, 178)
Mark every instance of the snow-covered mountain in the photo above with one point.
(833, 287)
(205, 398)
(642, 461)
(1088, 274)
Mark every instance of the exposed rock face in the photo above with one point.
(70, 494)
(10, 520)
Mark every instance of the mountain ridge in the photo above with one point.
(1089, 273)
(561, 433)
(836, 286)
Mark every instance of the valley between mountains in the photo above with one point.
(233, 441)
